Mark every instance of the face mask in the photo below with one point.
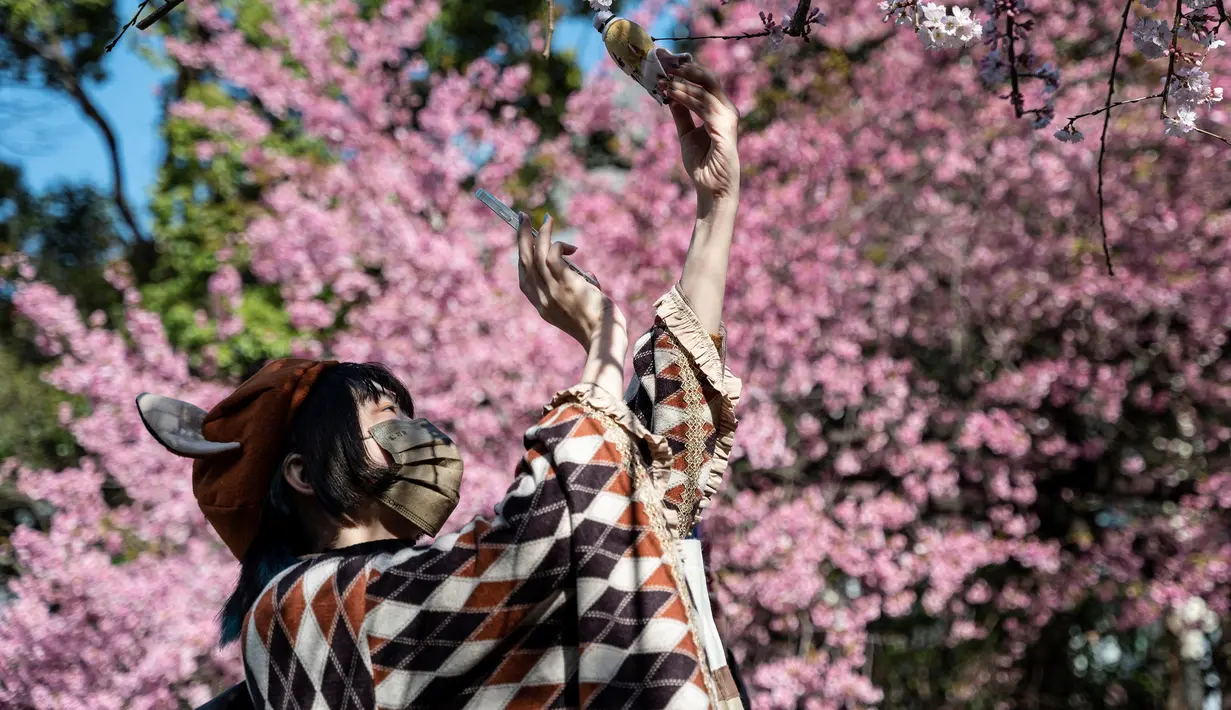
(429, 474)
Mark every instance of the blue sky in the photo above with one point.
(58, 144)
(53, 141)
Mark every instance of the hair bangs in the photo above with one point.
(371, 381)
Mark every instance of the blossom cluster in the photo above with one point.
(1192, 621)
(1190, 87)
(1187, 86)
(1012, 20)
(937, 27)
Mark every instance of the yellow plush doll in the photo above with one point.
(634, 52)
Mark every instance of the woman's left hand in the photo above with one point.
(709, 150)
(563, 295)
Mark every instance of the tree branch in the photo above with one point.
(1203, 132)
(145, 24)
(1175, 51)
(158, 14)
(117, 171)
(1016, 96)
(111, 45)
(551, 27)
(745, 35)
(63, 74)
(1102, 150)
(801, 20)
(1175, 39)
(1125, 102)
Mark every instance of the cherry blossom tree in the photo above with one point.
(972, 468)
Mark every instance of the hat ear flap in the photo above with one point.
(177, 426)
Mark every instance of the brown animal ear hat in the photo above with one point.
(237, 445)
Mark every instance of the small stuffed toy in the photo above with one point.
(634, 52)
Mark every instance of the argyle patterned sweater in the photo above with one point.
(572, 596)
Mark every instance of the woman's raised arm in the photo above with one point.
(712, 162)
(573, 593)
(682, 389)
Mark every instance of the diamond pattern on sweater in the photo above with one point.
(567, 598)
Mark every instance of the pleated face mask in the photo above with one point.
(429, 477)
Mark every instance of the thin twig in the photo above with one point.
(1016, 96)
(551, 27)
(746, 35)
(1175, 39)
(1111, 106)
(1175, 51)
(111, 45)
(1102, 148)
(798, 27)
(158, 14)
(1202, 131)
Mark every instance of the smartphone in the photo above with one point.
(508, 215)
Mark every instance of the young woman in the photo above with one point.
(585, 590)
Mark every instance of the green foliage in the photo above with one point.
(200, 206)
(55, 40)
(499, 30)
(68, 234)
(204, 206)
(469, 29)
(29, 423)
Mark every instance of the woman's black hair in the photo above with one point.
(325, 432)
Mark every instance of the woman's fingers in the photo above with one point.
(718, 117)
(707, 80)
(525, 239)
(686, 87)
(671, 62)
(542, 265)
(683, 119)
(693, 98)
(555, 261)
(698, 74)
(525, 245)
(682, 116)
(529, 278)
(560, 266)
(542, 246)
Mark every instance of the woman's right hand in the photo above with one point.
(563, 297)
(710, 155)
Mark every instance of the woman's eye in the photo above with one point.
(391, 408)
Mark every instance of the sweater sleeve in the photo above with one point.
(568, 594)
(683, 391)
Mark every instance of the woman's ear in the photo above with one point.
(292, 470)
